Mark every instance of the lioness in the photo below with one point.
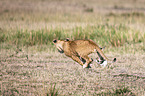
(79, 50)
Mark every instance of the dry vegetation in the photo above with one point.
(30, 64)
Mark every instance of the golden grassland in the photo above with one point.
(31, 65)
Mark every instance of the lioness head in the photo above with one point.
(59, 45)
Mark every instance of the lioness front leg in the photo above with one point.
(88, 61)
(83, 60)
(77, 59)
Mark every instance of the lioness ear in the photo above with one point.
(67, 39)
(54, 41)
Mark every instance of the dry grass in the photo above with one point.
(37, 69)
(37, 73)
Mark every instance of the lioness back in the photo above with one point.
(84, 46)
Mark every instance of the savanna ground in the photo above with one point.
(31, 65)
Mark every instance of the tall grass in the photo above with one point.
(116, 35)
(25, 37)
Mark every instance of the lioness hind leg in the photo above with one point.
(77, 59)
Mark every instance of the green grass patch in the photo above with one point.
(116, 35)
(30, 38)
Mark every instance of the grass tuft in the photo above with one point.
(89, 10)
(52, 91)
(125, 91)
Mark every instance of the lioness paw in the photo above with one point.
(97, 61)
(84, 66)
(104, 64)
(91, 65)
